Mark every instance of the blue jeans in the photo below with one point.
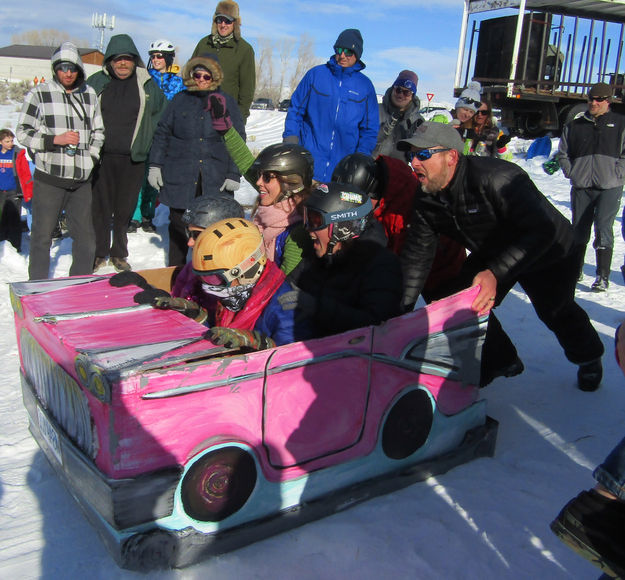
(611, 473)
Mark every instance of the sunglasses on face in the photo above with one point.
(346, 51)
(482, 112)
(425, 154)
(223, 20)
(67, 68)
(199, 75)
(597, 99)
(193, 234)
(404, 92)
(157, 55)
(267, 176)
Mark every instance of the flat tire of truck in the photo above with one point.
(218, 484)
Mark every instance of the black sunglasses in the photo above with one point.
(267, 176)
(482, 112)
(405, 92)
(193, 234)
(598, 99)
(67, 67)
(346, 51)
(223, 20)
(157, 55)
(425, 154)
(200, 75)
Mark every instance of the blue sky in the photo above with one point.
(420, 35)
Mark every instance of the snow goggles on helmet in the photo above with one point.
(425, 154)
(346, 51)
(225, 277)
(314, 220)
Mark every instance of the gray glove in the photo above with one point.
(155, 177)
(230, 185)
(300, 300)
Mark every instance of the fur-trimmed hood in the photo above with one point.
(231, 9)
(208, 61)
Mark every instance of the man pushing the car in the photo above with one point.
(513, 234)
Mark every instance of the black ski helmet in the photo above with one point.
(360, 170)
(345, 207)
(211, 208)
(286, 159)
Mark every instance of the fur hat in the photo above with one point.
(352, 39)
(471, 97)
(205, 61)
(230, 9)
(407, 80)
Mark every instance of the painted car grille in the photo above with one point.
(59, 394)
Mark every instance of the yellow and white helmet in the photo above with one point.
(229, 250)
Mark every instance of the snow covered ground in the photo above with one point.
(486, 519)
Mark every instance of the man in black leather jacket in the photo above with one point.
(513, 235)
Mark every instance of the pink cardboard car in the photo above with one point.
(177, 448)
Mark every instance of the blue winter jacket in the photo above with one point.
(283, 326)
(333, 112)
(170, 83)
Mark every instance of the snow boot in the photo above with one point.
(592, 525)
(589, 375)
(147, 225)
(604, 262)
(133, 226)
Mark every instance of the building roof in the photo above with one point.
(42, 52)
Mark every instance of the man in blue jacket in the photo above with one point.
(334, 110)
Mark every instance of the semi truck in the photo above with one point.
(537, 59)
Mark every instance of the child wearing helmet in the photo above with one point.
(282, 175)
(201, 214)
(352, 281)
(230, 259)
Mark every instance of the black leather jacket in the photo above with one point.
(493, 208)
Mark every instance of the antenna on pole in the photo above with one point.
(101, 22)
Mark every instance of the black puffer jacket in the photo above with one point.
(362, 286)
(494, 210)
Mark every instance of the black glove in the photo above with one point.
(128, 279)
(148, 295)
(187, 307)
(236, 338)
(503, 141)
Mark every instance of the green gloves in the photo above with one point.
(235, 338)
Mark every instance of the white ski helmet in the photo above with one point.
(161, 45)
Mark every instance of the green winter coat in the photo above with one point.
(236, 58)
(152, 100)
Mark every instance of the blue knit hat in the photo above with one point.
(352, 39)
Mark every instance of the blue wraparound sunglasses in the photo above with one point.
(425, 154)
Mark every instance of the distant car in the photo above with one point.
(284, 105)
(265, 104)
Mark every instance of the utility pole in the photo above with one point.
(101, 22)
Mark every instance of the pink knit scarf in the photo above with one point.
(272, 220)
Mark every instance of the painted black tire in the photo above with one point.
(407, 425)
(218, 484)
